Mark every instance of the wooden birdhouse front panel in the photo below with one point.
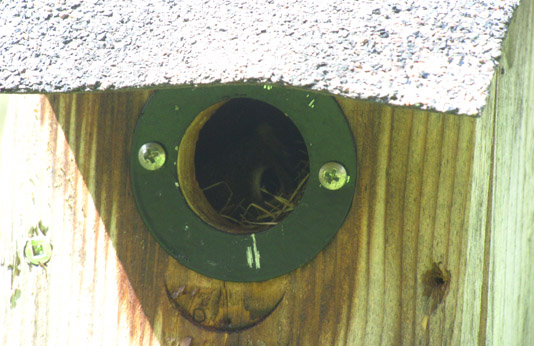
(400, 267)
(358, 177)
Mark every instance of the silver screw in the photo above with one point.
(152, 156)
(333, 176)
(38, 250)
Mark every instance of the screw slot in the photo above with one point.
(333, 176)
(38, 250)
(152, 156)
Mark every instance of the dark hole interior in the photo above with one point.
(438, 280)
(251, 164)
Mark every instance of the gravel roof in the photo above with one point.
(431, 54)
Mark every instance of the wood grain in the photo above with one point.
(106, 281)
(437, 248)
(433, 191)
(510, 298)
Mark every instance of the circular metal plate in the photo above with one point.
(242, 257)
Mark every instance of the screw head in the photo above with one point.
(333, 176)
(151, 156)
(38, 250)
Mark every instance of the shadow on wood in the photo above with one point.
(366, 287)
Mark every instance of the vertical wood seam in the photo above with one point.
(489, 214)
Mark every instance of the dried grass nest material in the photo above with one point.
(275, 208)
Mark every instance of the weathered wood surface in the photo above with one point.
(510, 307)
(437, 249)
(106, 281)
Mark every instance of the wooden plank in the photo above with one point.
(510, 301)
(106, 282)
(470, 307)
(84, 296)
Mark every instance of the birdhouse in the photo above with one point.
(267, 172)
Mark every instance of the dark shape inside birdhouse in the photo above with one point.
(250, 165)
